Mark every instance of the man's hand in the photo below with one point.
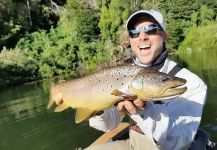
(131, 106)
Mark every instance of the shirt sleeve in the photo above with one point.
(107, 121)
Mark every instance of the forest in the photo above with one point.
(41, 39)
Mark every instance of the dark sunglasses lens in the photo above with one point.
(134, 33)
(151, 30)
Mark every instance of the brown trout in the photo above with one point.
(101, 90)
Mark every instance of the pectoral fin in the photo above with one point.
(116, 92)
(83, 114)
(61, 107)
(125, 96)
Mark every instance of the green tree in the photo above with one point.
(204, 16)
(25, 16)
(113, 16)
(16, 67)
(178, 20)
(211, 4)
(199, 39)
(80, 20)
(198, 46)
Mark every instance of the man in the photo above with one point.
(167, 125)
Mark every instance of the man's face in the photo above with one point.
(147, 47)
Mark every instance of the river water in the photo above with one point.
(26, 124)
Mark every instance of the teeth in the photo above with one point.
(145, 46)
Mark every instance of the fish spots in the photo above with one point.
(117, 79)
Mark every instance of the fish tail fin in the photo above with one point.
(50, 103)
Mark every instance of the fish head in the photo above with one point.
(151, 84)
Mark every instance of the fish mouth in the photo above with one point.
(174, 88)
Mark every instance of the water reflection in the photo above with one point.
(21, 108)
(25, 123)
(203, 63)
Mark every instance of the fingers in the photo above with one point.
(59, 99)
(127, 105)
(120, 106)
(131, 106)
(139, 103)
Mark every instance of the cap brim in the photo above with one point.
(136, 17)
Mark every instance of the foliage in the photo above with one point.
(59, 55)
(77, 22)
(16, 67)
(199, 39)
(198, 47)
(114, 13)
(18, 18)
(91, 55)
(54, 53)
(204, 16)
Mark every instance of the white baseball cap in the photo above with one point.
(146, 14)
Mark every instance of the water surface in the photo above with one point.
(25, 123)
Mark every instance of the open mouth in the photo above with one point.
(175, 88)
(145, 46)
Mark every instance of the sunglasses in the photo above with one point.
(149, 29)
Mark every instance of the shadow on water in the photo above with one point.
(25, 123)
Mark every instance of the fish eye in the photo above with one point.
(164, 79)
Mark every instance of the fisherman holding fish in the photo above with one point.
(165, 124)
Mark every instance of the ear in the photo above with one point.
(165, 36)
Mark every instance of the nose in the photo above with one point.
(143, 36)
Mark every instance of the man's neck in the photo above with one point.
(138, 62)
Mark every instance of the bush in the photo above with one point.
(16, 67)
